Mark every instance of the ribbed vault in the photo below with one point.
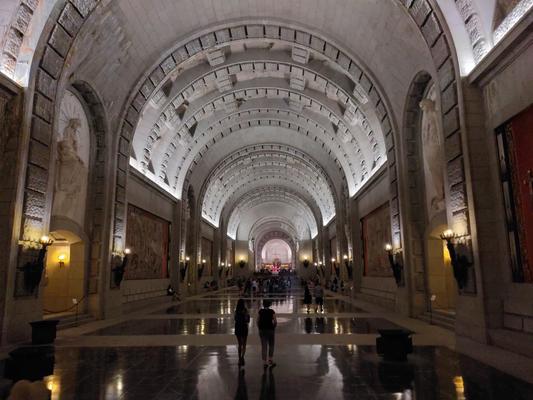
(282, 196)
(269, 165)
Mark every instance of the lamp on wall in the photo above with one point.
(460, 262)
(33, 270)
(335, 266)
(349, 266)
(183, 267)
(397, 268)
(61, 258)
(118, 271)
(201, 268)
(221, 269)
(228, 269)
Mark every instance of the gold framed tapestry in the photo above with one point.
(147, 236)
(376, 232)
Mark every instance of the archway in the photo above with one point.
(276, 255)
(441, 284)
(65, 275)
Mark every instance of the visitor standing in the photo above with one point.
(307, 297)
(242, 319)
(266, 322)
(319, 297)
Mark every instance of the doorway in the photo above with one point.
(64, 285)
(441, 283)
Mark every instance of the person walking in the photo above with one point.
(242, 319)
(266, 322)
(319, 297)
(307, 297)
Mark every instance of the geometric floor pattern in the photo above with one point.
(187, 351)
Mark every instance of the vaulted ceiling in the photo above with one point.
(272, 111)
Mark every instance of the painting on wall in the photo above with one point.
(147, 236)
(376, 232)
(515, 145)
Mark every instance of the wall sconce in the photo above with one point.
(183, 268)
(397, 268)
(201, 268)
(349, 266)
(33, 270)
(335, 266)
(460, 262)
(118, 271)
(61, 258)
(221, 269)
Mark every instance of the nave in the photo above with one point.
(187, 350)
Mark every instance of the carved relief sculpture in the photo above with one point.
(72, 159)
(432, 153)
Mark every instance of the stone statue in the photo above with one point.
(432, 150)
(69, 185)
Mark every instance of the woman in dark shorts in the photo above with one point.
(242, 319)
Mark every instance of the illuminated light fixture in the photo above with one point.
(61, 259)
(187, 258)
(222, 264)
(127, 251)
(345, 257)
(45, 240)
(316, 264)
(203, 261)
(460, 262)
(397, 268)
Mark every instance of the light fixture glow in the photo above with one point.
(127, 251)
(388, 247)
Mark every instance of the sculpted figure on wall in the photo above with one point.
(432, 154)
(73, 144)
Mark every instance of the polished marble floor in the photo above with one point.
(187, 351)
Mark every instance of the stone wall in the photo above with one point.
(10, 119)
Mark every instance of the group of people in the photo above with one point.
(257, 286)
(318, 292)
(266, 323)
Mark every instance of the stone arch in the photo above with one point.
(266, 237)
(98, 183)
(415, 221)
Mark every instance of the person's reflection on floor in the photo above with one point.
(268, 387)
(242, 391)
(308, 325)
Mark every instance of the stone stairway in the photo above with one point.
(443, 318)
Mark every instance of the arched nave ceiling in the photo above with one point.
(189, 113)
(268, 165)
(268, 225)
(289, 215)
(471, 23)
(281, 195)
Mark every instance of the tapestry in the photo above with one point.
(376, 232)
(515, 145)
(147, 237)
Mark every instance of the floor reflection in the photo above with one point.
(224, 325)
(303, 372)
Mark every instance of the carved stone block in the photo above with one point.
(452, 146)
(70, 19)
(60, 40)
(52, 62)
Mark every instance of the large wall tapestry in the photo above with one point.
(147, 237)
(376, 232)
(515, 143)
